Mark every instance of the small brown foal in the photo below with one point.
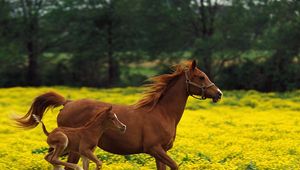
(82, 140)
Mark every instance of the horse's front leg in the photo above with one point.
(161, 156)
(88, 154)
(160, 165)
(85, 163)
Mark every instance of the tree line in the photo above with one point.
(240, 44)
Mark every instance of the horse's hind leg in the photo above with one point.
(55, 158)
(59, 141)
(48, 157)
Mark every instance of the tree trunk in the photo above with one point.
(207, 66)
(113, 67)
(32, 52)
(31, 78)
(110, 55)
(206, 20)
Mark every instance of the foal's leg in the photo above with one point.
(85, 162)
(160, 154)
(90, 155)
(56, 167)
(72, 158)
(59, 141)
(55, 158)
(48, 157)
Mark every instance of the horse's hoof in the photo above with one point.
(58, 168)
(98, 168)
(79, 168)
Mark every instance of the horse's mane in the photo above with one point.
(93, 119)
(159, 85)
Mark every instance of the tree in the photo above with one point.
(28, 17)
(203, 23)
(101, 33)
(282, 37)
(29, 23)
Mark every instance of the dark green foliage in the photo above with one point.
(42, 150)
(203, 156)
(251, 166)
(136, 159)
(240, 44)
(230, 157)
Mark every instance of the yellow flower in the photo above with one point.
(246, 130)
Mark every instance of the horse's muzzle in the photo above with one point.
(218, 96)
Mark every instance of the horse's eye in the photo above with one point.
(202, 78)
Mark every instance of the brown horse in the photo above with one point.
(82, 140)
(151, 122)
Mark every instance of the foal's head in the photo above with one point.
(199, 84)
(111, 121)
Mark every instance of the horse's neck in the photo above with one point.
(96, 127)
(174, 99)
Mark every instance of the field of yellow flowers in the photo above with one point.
(246, 130)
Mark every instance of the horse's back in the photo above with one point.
(77, 113)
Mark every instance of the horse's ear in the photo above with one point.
(193, 65)
(109, 108)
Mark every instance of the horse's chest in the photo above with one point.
(159, 133)
(168, 137)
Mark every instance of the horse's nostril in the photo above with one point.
(219, 93)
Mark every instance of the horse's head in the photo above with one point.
(112, 121)
(199, 84)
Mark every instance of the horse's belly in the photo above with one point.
(120, 144)
(130, 142)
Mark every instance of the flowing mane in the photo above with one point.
(92, 120)
(159, 85)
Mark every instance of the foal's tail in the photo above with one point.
(37, 119)
(39, 106)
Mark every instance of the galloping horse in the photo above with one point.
(151, 122)
(82, 140)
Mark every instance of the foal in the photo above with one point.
(82, 140)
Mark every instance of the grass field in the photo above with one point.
(246, 130)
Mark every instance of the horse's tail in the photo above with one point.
(37, 119)
(39, 107)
